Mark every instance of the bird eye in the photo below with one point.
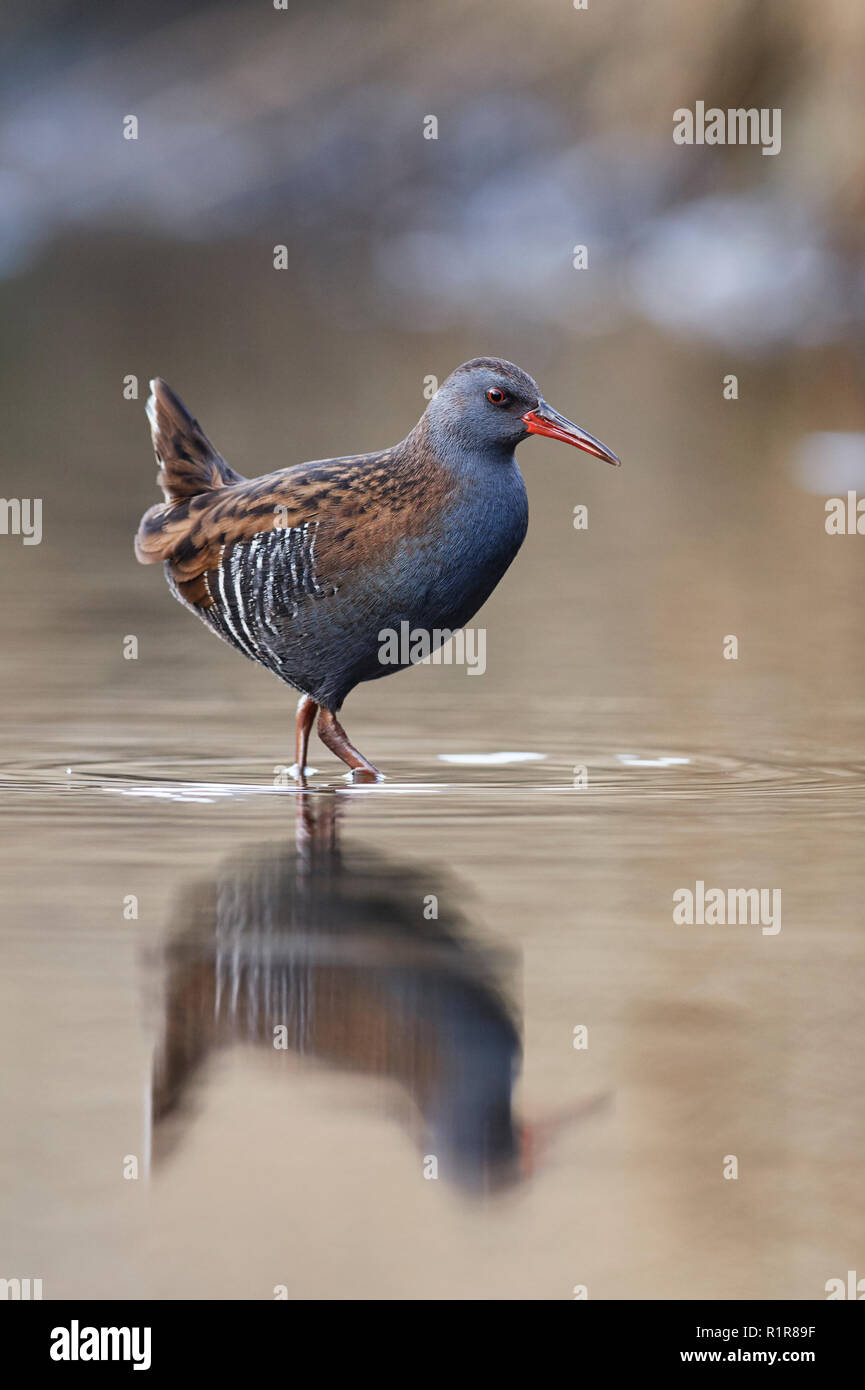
(495, 395)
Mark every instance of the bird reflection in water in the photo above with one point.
(333, 955)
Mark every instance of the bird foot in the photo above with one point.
(298, 772)
(364, 774)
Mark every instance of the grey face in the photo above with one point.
(488, 405)
(482, 404)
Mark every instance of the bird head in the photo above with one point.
(490, 405)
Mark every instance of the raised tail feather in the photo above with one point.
(188, 462)
(188, 466)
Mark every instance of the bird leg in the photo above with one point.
(306, 712)
(334, 737)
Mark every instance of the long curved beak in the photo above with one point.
(544, 420)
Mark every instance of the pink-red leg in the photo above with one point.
(306, 712)
(334, 737)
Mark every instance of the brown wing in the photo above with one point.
(347, 511)
(255, 560)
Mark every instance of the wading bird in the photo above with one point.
(303, 569)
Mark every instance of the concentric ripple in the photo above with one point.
(650, 772)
